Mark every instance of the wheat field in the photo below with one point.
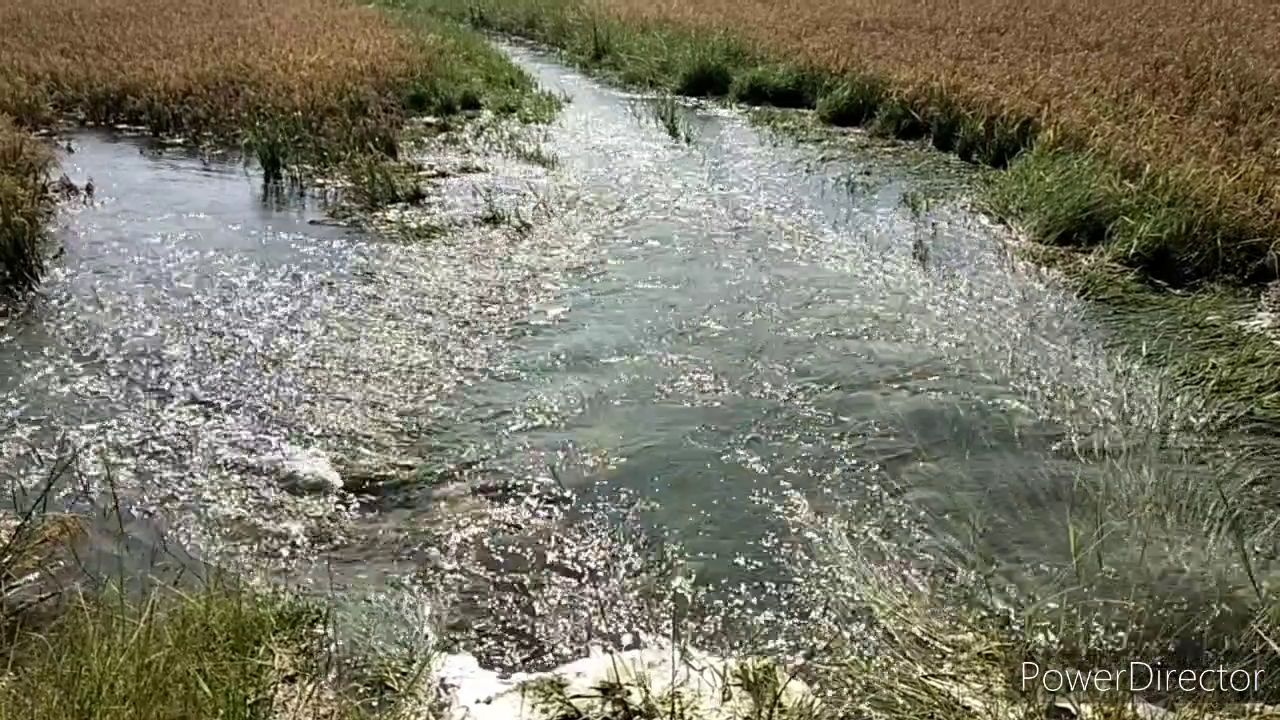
(1188, 88)
(197, 66)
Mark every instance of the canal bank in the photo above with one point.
(639, 359)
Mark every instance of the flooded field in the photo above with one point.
(646, 342)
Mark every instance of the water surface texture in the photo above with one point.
(700, 328)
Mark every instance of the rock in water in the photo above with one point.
(308, 470)
(708, 687)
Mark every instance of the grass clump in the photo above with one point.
(1061, 197)
(1057, 198)
(783, 86)
(215, 654)
(851, 102)
(704, 75)
(194, 646)
(26, 207)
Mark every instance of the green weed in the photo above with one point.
(670, 117)
(27, 205)
(782, 86)
(851, 102)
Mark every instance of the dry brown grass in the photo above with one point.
(203, 66)
(1188, 88)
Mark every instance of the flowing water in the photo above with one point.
(663, 342)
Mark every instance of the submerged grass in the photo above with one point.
(666, 113)
(1159, 548)
(300, 85)
(1199, 340)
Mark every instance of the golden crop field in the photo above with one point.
(195, 64)
(1189, 88)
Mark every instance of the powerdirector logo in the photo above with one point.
(1141, 677)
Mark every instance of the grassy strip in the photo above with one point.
(26, 206)
(212, 648)
(300, 86)
(1062, 193)
(216, 654)
(1195, 339)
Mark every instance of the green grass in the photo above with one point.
(1063, 198)
(703, 73)
(215, 654)
(211, 649)
(27, 206)
(782, 86)
(852, 101)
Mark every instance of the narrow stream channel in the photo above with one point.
(702, 327)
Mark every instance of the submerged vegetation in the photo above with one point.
(300, 86)
(1151, 555)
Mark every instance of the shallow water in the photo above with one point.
(708, 327)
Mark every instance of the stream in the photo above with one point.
(664, 345)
